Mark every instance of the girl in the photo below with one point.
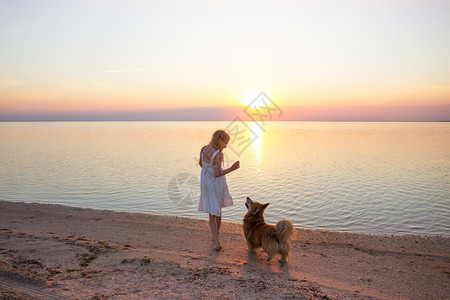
(214, 192)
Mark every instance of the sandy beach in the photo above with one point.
(55, 252)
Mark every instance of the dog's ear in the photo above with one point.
(265, 205)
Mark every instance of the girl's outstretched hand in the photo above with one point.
(236, 165)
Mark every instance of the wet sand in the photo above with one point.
(54, 251)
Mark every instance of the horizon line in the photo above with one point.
(127, 120)
(343, 113)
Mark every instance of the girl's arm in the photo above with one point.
(200, 158)
(218, 171)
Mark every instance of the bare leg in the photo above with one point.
(218, 220)
(214, 232)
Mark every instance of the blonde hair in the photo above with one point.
(219, 134)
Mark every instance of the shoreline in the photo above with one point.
(50, 249)
(232, 222)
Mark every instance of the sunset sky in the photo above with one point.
(204, 60)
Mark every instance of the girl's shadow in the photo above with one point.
(213, 255)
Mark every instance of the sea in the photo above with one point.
(363, 177)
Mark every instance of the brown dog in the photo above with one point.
(272, 239)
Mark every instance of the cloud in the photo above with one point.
(387, 112)
(129, 70)
(178, 114)
(104, 84)
(432, 87)
(345, 113)
(18, 29)
(7, 83)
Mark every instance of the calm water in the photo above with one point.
(383, 178)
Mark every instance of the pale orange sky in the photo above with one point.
(319, 60)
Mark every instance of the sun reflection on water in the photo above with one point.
(257, 144)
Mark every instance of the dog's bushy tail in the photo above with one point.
(285, 229)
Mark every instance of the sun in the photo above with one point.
(248, 96)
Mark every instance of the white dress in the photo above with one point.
(214, 192)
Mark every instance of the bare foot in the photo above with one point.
(217, 247)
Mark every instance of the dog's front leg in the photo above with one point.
(250, 247)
